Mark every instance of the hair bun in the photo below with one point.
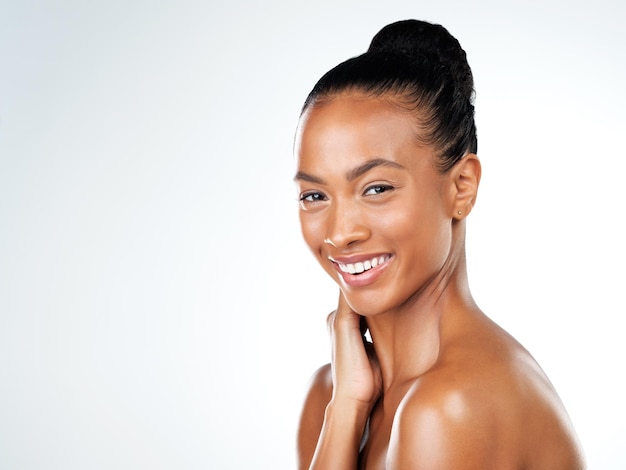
(418, 40)
(423, 67)
(428, 47)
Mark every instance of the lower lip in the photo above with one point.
(366, 278)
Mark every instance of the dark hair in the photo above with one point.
(422, 68)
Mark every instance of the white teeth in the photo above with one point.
(358, 268)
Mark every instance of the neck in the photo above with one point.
(409, 339)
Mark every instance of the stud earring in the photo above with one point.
(459, 212)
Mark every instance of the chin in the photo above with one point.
(367, 304)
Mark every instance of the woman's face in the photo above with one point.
(373, 209)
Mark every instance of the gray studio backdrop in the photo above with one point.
(157, 306)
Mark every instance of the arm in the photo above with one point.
(328, 431)
(340, 399)
(312, 416)
(340, 437)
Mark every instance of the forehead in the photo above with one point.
(352, 127)
(352, 115)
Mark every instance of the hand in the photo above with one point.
(355, 368)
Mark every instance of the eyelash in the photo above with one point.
(380, 188)
(317, 197)
(314, 197)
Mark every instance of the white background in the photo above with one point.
(157, 306)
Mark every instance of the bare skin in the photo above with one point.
(441, 386)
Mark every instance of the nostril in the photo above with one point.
(348, 238)
(344, 227)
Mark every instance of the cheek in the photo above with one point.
(312, 227)
(312, 231)
(422, 229)
(401, 222)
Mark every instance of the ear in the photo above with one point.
(465, 180)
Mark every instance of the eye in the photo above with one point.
(377, 189)
(311, 198)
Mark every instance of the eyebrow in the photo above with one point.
(369, 165)
(352, 174)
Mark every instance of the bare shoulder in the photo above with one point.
(486, 405)
(319, 393)
(442, 424)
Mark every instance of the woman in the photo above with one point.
(420, 378)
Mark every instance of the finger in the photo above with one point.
(330, 319)
(344, 313)
(343, 306)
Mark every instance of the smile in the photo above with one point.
(362, 266)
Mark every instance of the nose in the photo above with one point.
(346, 226)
